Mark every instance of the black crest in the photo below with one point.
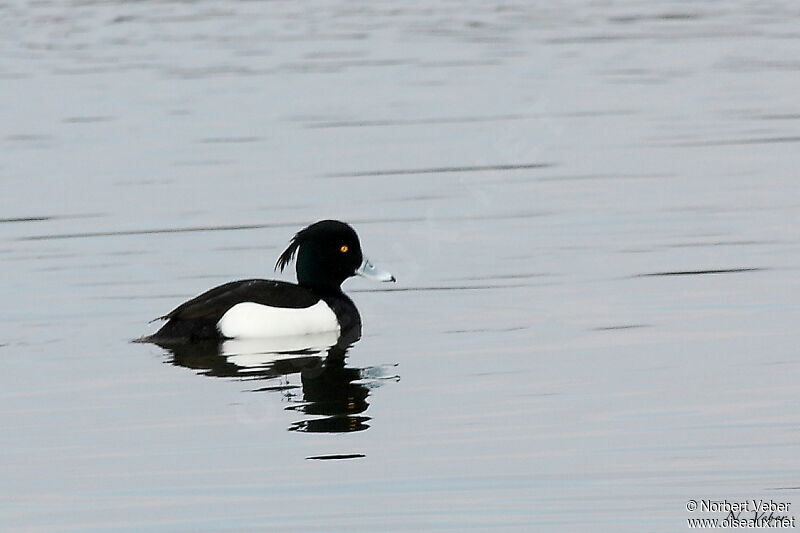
(288, 254)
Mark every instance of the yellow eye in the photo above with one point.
(344, 248)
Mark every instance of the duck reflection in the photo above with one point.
(332, 395)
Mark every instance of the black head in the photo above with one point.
(328, 252)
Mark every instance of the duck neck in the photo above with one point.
(320, 288)
(314, 278)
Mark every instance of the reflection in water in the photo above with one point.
(334, 392)
(333, 396)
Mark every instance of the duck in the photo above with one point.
(326, 253)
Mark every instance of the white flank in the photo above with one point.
(252, 320)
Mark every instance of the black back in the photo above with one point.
(197, 319)
(217, 301)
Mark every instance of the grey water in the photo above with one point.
(591, 208)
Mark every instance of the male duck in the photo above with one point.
(328, 252)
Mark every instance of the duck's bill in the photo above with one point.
(370, 271)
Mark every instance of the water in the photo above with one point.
(591, 209)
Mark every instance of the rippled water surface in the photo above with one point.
(592, 210)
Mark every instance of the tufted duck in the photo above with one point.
(327, 253)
